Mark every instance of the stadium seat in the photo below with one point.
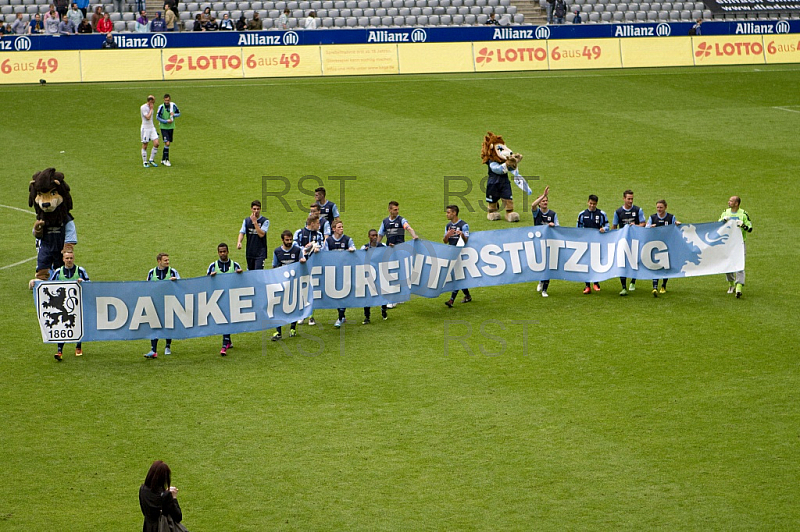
(594, 18)
(587, 8)
(652, 16)
(119, 26)
(128, 17)
(483, 18)
(633, 7)
(375, 21)
(618, 16)
(398, 21)
(386, 21)
(363, 4)
(422, 20)
(458, 20)
(511, 10)
(655, 6)
(630, 16)
(380, 12)
(131, 26)
(392, 11)
(470, 20)
(598, 8)
(362, 21)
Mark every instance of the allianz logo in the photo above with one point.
(417, 35)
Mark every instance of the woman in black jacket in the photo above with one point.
(157, 497)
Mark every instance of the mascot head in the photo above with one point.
(494, 149)
(49, 194)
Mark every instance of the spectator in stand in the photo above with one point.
(5, 29)
(142, 23)
(198, 24)
(550, 5)
(283, 20)
(97, 16)
(256, 24)
(36, 26)
(158, 25)
(75, 15)
(119, 6)
(61, 7)
(241, 24)
(169, 18)
(560, 11)
(83, 5)
(205, 16)
(577, 19)
(226, 24)
(492, 20)
(51, 20)
(20, 27)
(212, 25)
(109, 43)
(105, 25)
(66, 27)
(695, 30)
(311, 21)
(85, 26)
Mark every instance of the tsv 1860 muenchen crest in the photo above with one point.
(60, 309)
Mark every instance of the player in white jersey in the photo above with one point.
(149, 132)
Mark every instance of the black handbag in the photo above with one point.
(168, 524)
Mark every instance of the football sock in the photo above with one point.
(144, 155)
(226, 339)
(624, 282)
(294, 326)
(153, 345)
(165, 155)
(664, 283)
(655, 284)
(341, 313)
(153, 153)
(466, 292)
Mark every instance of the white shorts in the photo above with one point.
(149, 134)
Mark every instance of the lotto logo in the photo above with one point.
(728, 49)
(203, 62)
(484, 56)
(174, 63)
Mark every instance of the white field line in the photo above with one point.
(22, 261)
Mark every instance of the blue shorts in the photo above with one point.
(497, 191)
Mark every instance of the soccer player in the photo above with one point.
(311, 240)
(593, 218)
(372, 244)
(733, 212)
(628, 214)
(69, 272)
(162, 272)
(394, 227)
(339, 241)
(542, 215)
(224, 265)
(327, 209)
(456, 231)
(255, 228)
(149, 132)
(323, 222)
(287, 253)
(167, 113)
(660, 219)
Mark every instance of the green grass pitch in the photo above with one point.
(602, 412)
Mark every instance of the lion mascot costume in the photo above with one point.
(54, 228)
(500, 160)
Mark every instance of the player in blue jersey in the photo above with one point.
(287, 253)
(69, 272)
(394, 227)
(324, 224)
(542, 215)
(255, 229)
(660, 219)
(311, 239)
(328, 209)
(456, 233)
(372, 244)
(224, 265)
(593, 218)
(162, 272)
(339, 241)
(628, 214)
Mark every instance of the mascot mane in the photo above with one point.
(488, 152)
(44, 182)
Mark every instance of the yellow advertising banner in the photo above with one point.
(656, 52)
(509, 55)
(725, 50)
(782, 48)
(359, 59)
(202, 63)
(30, 67)
(281, 61)
(432, 58)
(120, 65)
(584, 53)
